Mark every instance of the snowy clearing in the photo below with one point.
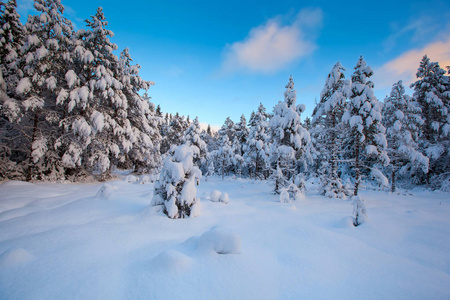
(104, 241)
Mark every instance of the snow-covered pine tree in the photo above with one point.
(209, 164)
(210, 139)
(290, 141)
(44, 59)
(237, 161)
(403, 121)
(11, 136)
(106, 121)
(432, 92)
(11, 41)
(228, 128)
(174, 134)
(158, 111)
(144, 154)
(8, 133)
(256, 149)
(208, 130)
(365, 142)
(193, 137)
(176, 187)
(108, 110)
(224, 155)
(241, 133)
(326, 130)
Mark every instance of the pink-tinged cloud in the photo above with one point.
(272, 46)
(405, 66)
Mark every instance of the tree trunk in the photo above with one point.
(357, 169)
(33, 139)
(223, 168)
(393, 180)
(333, 148)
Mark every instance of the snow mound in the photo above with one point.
(172, 261)
(131, 179)
(145, 180)
(215, 195)
(106, 191)
(222, 240)
(218, 196)
(196, 209)
(224, 198)
(15, 257)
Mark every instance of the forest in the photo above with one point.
(71, 109)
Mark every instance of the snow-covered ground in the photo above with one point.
(94, 241)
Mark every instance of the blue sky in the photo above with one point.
(215, 59)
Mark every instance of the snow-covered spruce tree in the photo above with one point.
(106, 122)
(432, 92)
(365, 141)
(44, 59)
(241, 133)
(210, 139)
(100, 99)
(144, 154)
(223, 156)
(237, 161)
(11, 41)
(326, 129)
(175, 132)
(209, 165)
(9, 130)
(256, 149)
(402, 120)
(290, 141)
(192, 136)
(228, 128)
(163, 131)
(176, 188)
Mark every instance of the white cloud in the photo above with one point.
(272, 46)
(405, 66)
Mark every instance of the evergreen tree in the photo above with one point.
(290, 141)
(403, 121)
(44, 58)
(327, 128)
(158, 111)
(431, 91)
(144, 136)
(223, 156)
(241, 133)
(176, 188)
(228, 128)
(365, 142)
(256, 149)
(193, 137)
(208, 130)
(11, 41)
(174, 134)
